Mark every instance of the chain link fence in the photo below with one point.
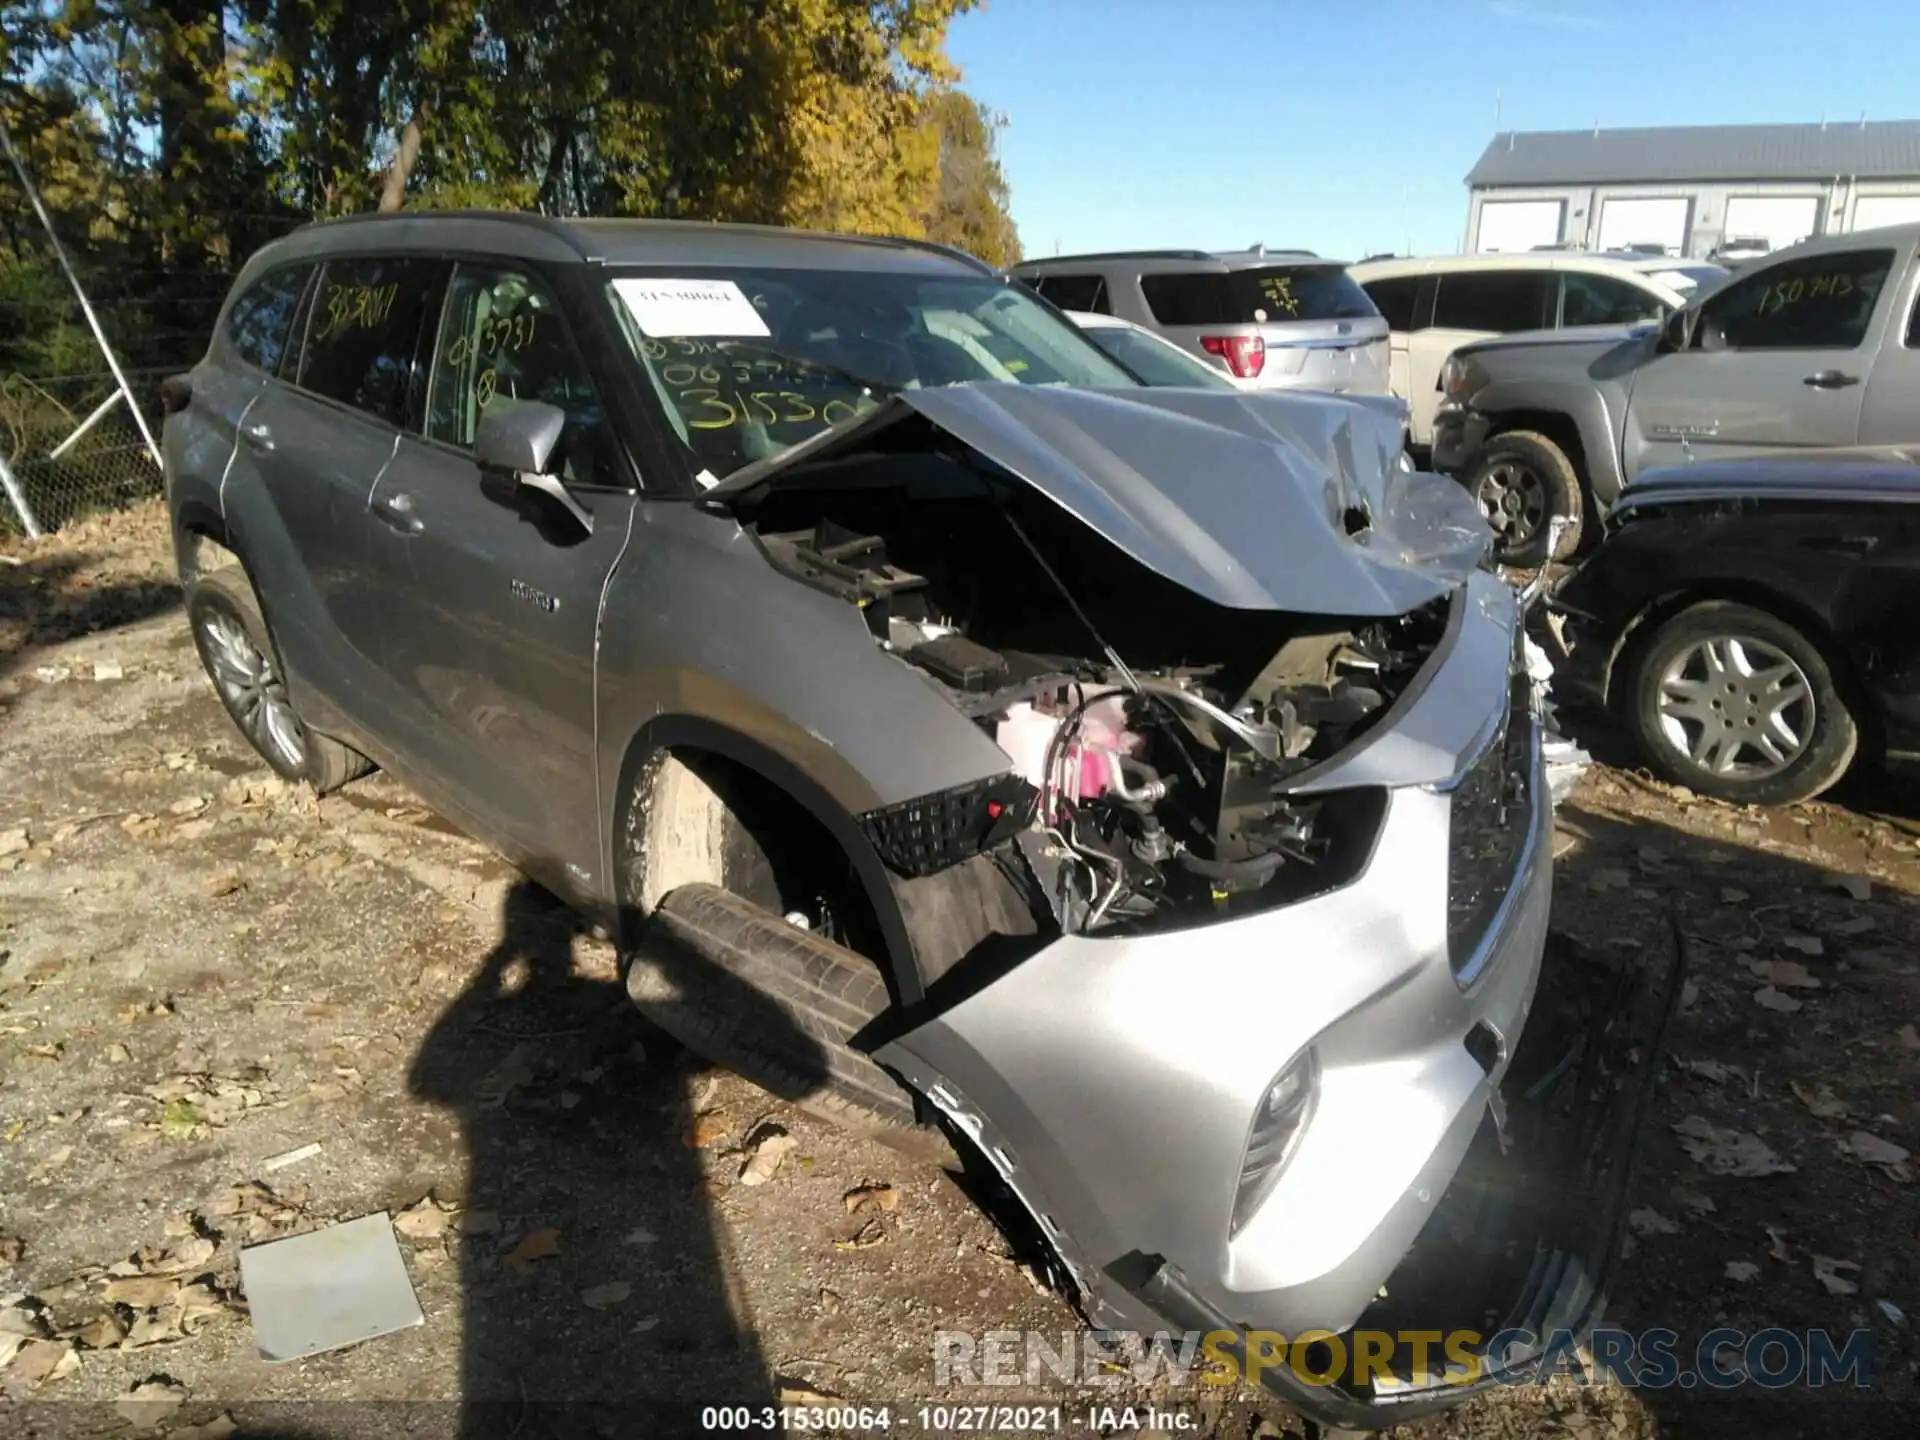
(67, 434)
(71, 444)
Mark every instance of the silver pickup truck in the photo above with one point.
(1819, 346)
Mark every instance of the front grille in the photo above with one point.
(1487, 830)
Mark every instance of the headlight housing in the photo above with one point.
(1277, 1123)
(1455, 375)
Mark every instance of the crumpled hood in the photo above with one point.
(1282, 501)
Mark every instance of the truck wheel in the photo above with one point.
(1738, 704)
(1522, 481)
(238, 652)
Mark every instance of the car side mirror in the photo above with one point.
(518, 441)
(1676, 333)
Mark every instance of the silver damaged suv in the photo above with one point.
(1135, 790)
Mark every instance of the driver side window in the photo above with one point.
(504, 342)
(1818, 302)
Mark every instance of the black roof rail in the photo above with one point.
(530, 219)
(1120, 255)
(952, 252)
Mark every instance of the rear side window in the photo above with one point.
(259, 321)
(1272, 294)
(1497, 300)
(363, 330)
(1605, 300)
(1395, 299)
(1821, 302)
(1076, 292)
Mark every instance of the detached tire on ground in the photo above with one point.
(777, 1005)
(1522, 481)
(1739, 704)
(239, 655)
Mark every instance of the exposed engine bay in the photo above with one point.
(1152, 734)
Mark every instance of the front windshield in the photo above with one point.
(749, 362)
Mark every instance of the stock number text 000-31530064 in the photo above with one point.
(715, 388)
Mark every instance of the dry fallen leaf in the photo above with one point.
(605, 1297)
(1609, 879)
(142, 1292)
(1693, 1200)
(12, 1249)
(1777, 1245)
(1805, 944)
(102, 1332)
(1819, 1100)
(118, 1054)
(884, 1196)
(1908, 1036)
(1859, 887)
(221, 1427)
(1827, 1271)
(40, 1362)
(1850, 925)
(1787, 974)
(770, 1145)
(535, 1245)
(1768, 998)
(424, 1221)
(1728, 1152)
(1742, 1270)
(1875, 1151)
(150, 1401)
(1648, 1221)
(157, 1327)
(709, 1129)
(799, 1395)
(1731, 896)
(223, 882)
(478, 1222)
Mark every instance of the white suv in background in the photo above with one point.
(1271, 319)
(1433, 306)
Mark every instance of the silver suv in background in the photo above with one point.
(1272, 319)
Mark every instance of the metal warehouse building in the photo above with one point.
(1687, 187)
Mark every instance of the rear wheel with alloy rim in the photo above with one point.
(238, 652)
(1737, 703)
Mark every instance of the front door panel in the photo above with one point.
(1779, 357)
(491, 591)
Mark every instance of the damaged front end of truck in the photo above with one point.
(1229, 916)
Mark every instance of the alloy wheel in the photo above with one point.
(253, 691)
(1736, 706)
(1513, 500)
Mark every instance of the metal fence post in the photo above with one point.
(86, 307)
(19, 499)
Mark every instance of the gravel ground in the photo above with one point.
(202, 970)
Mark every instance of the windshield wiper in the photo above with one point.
(786, 357)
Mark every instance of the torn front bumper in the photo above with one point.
(1113, 1081)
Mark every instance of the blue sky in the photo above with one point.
(1347, 126)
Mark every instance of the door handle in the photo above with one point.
(1830, 380)
(396, 512)
(257, 437)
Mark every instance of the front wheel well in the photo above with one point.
(693, 814)
(1557, 427)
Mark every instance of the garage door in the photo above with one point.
(1780, 220)
(1873, 211)
(1508, 226)
(1645, 222)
